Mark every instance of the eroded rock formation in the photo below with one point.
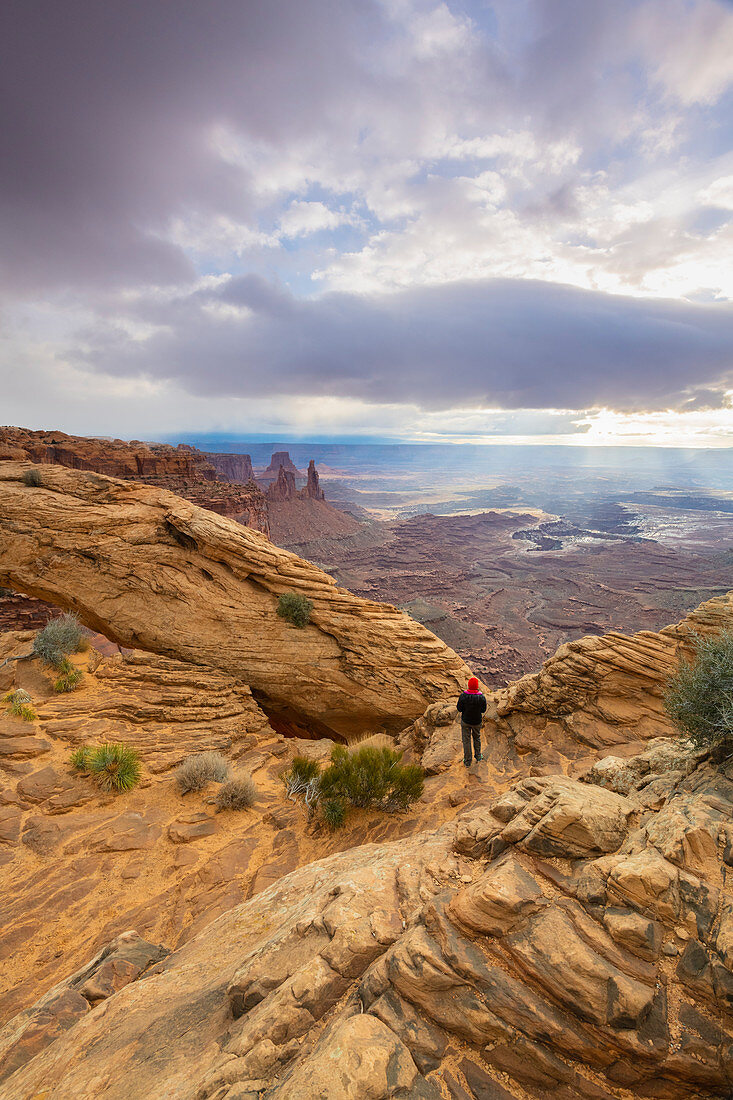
(150, 570)
(559, 941)
(232, 467)
(183, 469)
(599, 692)
(281, 460)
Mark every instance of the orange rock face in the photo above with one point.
(152, 571)
(182, 469)
(548, 936)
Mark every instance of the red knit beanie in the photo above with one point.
(473, 685)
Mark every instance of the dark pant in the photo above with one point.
(468, 732)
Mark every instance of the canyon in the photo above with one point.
(555, 921)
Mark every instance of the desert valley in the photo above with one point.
(366, 550)
(555, 921)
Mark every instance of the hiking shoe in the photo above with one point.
(480, 756)
(466, 765)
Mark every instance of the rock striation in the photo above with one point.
(191, 473)
(232, 467)
(152, 571)
(602, 692)
(558, 941)
(281, 460)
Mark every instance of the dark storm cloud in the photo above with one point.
(508, 343)
(107, 110)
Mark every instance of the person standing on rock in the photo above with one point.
(472, 706)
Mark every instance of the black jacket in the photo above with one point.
(472, 707)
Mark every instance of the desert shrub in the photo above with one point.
(115, 767)
(201, 768)
(295, 608)
(371, 777)
(69, 679)
(238, 794)
(333, 811)
(699, 696)
(303, 769)
(302, 782)
(80, 759)
(59, 638)
(375, 740)
(32, 477)
(20, 705)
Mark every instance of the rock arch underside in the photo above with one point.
(556, 922)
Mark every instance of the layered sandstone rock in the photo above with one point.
(560, 941)
(281, 460)
(150, 570)
(232, 467)
(182, 469)
(78, 867)
(606, 691)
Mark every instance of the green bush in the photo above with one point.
(201, 768)
(295, 608)
(238, 794)
(334, 813)
(699, 696)
(69, 679)
(20, 705)
(115, 767)
(32, 477)
(371, 777)
(80, 759)
(59, 638)
(303, 769)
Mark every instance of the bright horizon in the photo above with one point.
(507, 222)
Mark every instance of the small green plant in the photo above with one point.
(372, 777)
(334, 813)
(20, 705)
(80, 759)
(69, 679)
(32, 478)
(115, 767)
(295, 608)
(59, 638)
(303, 769)
(201, 768)
(238, 794)
(699, 696)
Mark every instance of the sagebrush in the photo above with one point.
(201, 768)
(58, 638)
(295, 608)
(238, 793)
(699, 696)
(32, 477)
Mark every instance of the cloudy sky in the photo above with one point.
(472, 219)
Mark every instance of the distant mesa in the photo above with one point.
(282, 460)
(232, 467)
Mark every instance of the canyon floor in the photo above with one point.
(505, 605)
